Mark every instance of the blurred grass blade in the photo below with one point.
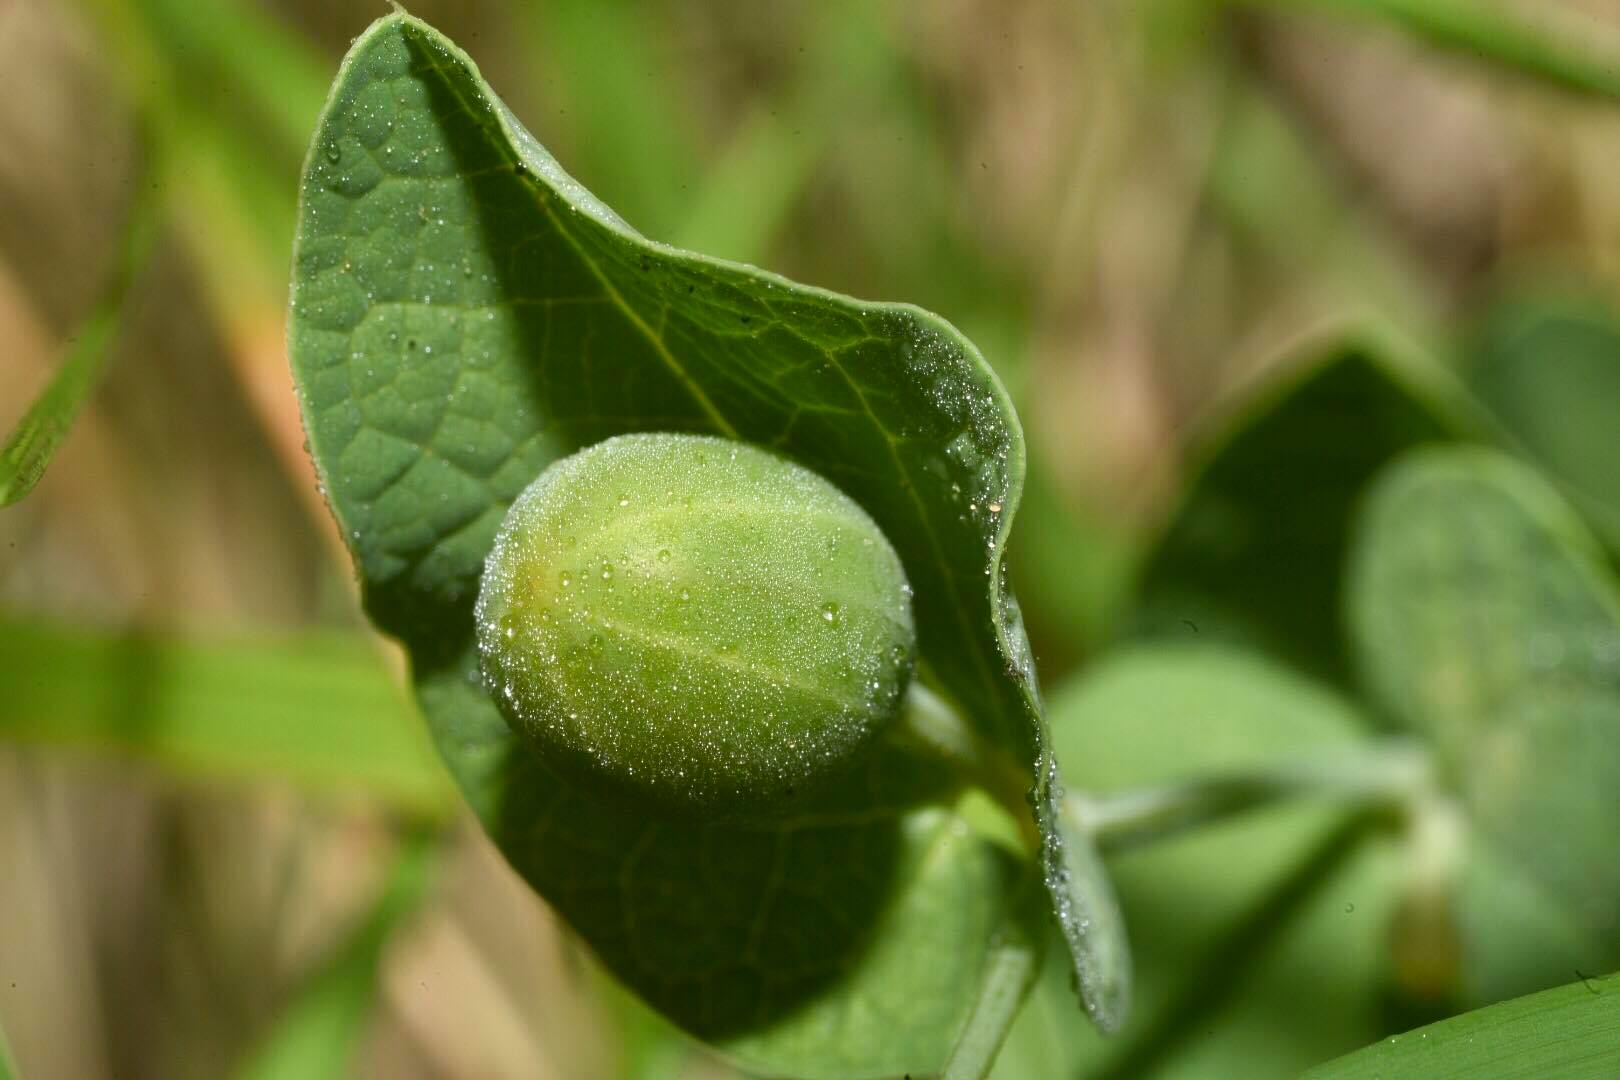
(1556, 45)
(8, 1067)
(232, 47)
(320, 710)
(752, 187)
(1572, 1032)
(757, 181)
(1231, 963)
(320, 1028)
(280, 74)
(631, 136)
(29, 449)
(231, 123)
(1271, 185)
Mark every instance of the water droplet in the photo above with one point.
(567, 579)
(830, 612)
(333, 153)
(686, 594)
(624, 500)
(995, 508)
(607, 571)
(663, 554)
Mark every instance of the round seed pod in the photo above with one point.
(694, 624)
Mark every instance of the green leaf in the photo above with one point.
(463, 314)
(1549, 372)
(41, 430)
(1484, 617)
(1255, 553)
(1093, 928)
(318, 1031)
(1572, 1032)
(1069, 602)
(320, 710)
(1247, 961)
(808, 947)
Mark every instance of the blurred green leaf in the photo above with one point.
(317, 1032)
(464, 313)
(1256, 550)
(1549, 372)
(1572, 1032)
(318, 709)
(33, 442)
(1484, 617)
(1073, 571)
(1248, 962)
(1555, 44)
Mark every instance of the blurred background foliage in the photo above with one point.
(225, 846)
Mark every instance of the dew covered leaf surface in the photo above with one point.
(463, 315)
(1485, 618)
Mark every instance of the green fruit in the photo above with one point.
(695, 624)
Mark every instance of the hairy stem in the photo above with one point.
(1394, 773)
(1388, 773)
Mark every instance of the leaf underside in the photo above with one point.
(1256, 550)
(463, 314)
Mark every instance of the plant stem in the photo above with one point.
(1389, 773)
(1392, 773)
(933, 723)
